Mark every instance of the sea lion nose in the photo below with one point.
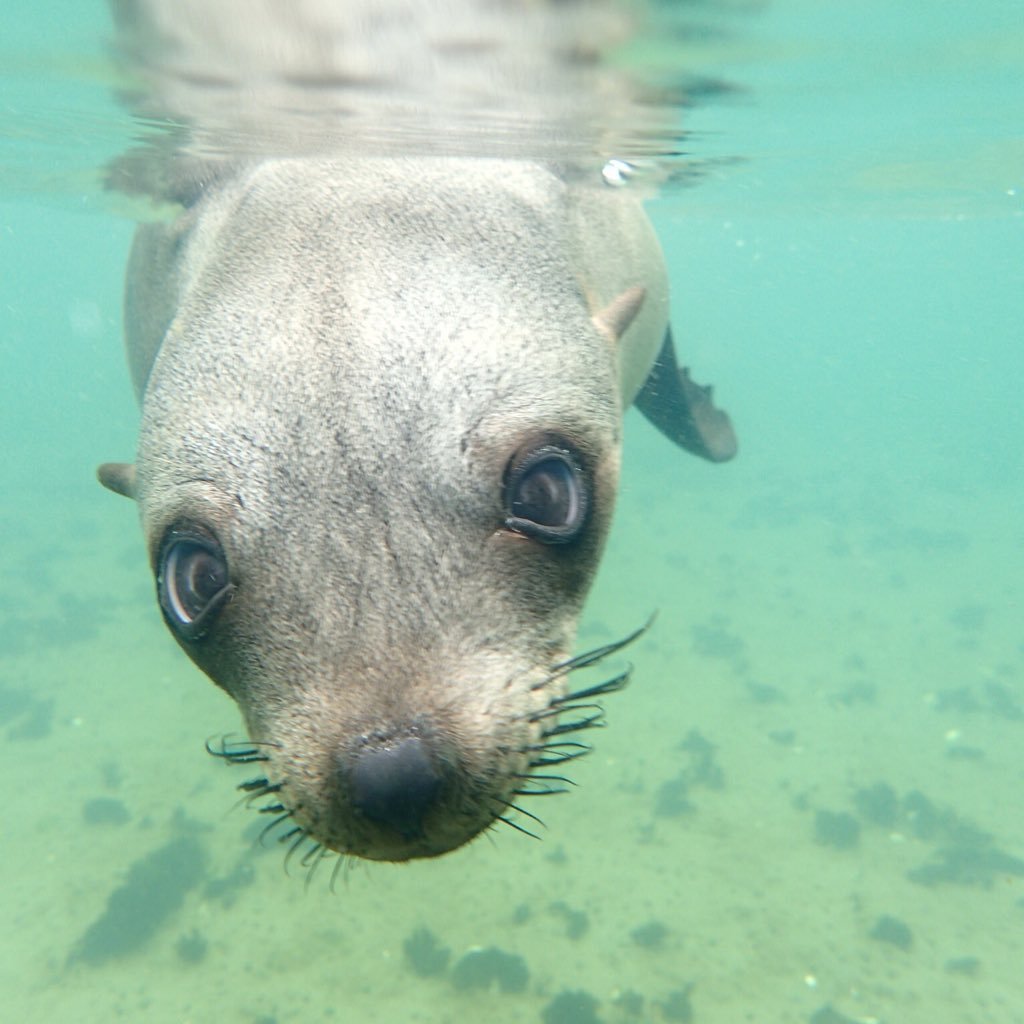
(396, 785)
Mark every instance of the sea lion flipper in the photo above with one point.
(118, 477)
(683, 410)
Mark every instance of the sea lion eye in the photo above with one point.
(192, 581)
(547, 495)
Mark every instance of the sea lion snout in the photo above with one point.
(396, 785)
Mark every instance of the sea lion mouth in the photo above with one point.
(555, 729)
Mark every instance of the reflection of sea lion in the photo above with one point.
(381, 413)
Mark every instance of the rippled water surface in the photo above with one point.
(806, 806)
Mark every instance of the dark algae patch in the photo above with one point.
(571, 1007)
(700, 767)
(962, 853)
(155, 888)
(836, 828)
(978, 863)
(968, 966)
(651, 935)
(577, 922)
(424, 953)
(703, 769)
(28, 717)
(713, 639)
(491, 968)
(673, 798)
(828, 1015)
(893, 931)
(677, 1006)
(72, 620)
(996, 700)
(105, 810)
(629, 1004)
(192, 948)
(914, 813)
(878, 804)
(227, 888)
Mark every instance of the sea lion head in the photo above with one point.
(376, 470)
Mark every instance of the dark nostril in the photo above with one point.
(396, 786)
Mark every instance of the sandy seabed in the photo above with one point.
(801, 809)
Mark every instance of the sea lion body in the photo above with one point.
(337, 368)
(382, 404)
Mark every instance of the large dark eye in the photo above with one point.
(547, 495)
(192, 581)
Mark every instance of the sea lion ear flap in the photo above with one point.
(118, 477)
(613, 321)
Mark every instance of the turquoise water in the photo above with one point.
(808, 798)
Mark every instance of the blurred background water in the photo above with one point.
(807, 806)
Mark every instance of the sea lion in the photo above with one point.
(382, 404)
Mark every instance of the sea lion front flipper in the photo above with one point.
(683, 410)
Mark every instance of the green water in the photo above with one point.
(809, 797)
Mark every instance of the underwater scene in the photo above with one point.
(805, 806)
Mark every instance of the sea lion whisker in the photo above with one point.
(566, 745)
(252, 785)
(267, 790)
(543, 778)
(578, 702)
(612, 685)
(341, 862)
(595, 721)
(557, 712)
(257, 788)
(557, 759)
(272, 809)
(267, 829)
(585, 659)
(539, 716)
(249, 799)
(322, 854)
(544, 790)
(307, 858)
(522, 810)
(596, 654)
(271, 788)
(518, 828)
(238, 757)
(551, 762)
(238, 751)
(300, 836)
